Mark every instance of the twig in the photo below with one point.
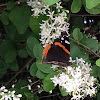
(85, 47)
(30, 60)
(84, 14)
(15, 3)
(49, 96)
(35, 82)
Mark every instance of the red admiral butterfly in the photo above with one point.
(58, 53)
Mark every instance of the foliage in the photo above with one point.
(21, 43)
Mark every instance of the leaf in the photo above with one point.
(23, 53)
(31, 42)
(6, 46)
(77, 34)
(29, 51)
(75, 51)
(3, 67)
(66, 0)
(38, 50)
(98, 96)
(20, 17)
(10, 56)
(63, 91)
(93, 10)
(14, 66)
(10, 5)
(95, 71)
(33, 69)
(40, 74)
(50, 2)
(76, 6)
(21, 83)
(35, 23)
(4, 18)
(48, 85)
(98, 62)
(46, 68)
(11, 31)
(92, 3)
(99, 73)
(90, 43)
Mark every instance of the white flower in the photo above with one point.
(58, 7)
(8, 95)
(38, 7)
(51, 29)
(77, 81)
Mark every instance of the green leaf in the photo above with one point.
(93, 10)
(14, 66)
(76, 6)
(38, 50)
(77, 34)
(0, 96)
(63, 91)
(3, 67)
(31, 42)
(35, 23)
(10, 56)
(29, 51)
(98, 62)
(40, 74)
(21, 83)
(33, 69)
(23, 53)
(50, 2)
(6, 46)
(66, 0)
(48, 85)
(75, 51)
(10, 5)
(98, 96)
(20, 17)
(95, 71)
(99, 72)
(4, 18)
(29, 95)
(46, 68)
(90, 43)
(92, 3)
(11, 31)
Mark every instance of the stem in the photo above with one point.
(85, 47)
(28, 63)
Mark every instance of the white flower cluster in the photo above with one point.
(76, 80)
(56, 23)
(52, 28)
(38, 7)
(8, 95)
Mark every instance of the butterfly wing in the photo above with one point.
(59, 51)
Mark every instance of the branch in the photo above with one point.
(85, 47)
(28, 63)
(2, 5)
(84, 14)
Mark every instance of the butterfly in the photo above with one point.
(58, 53)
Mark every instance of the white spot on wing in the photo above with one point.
(62, 38)
(67, 42)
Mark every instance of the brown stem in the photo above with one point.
(30, 60)
(85, 47)
(84, 14)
